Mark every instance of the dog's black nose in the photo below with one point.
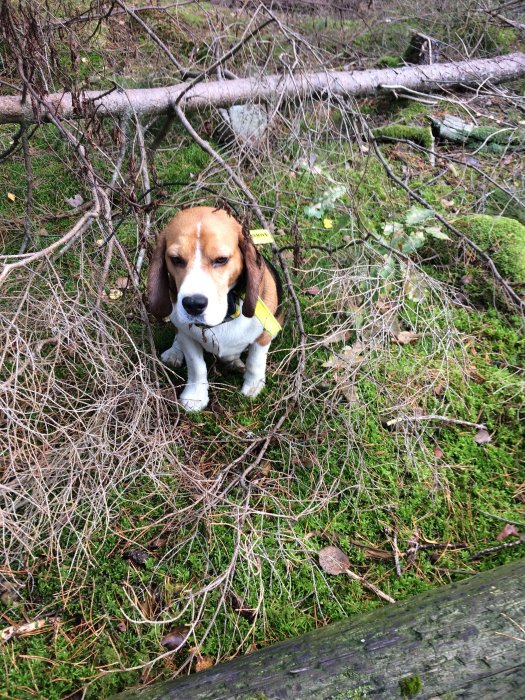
(195, 304)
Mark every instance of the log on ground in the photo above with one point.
(224, 93)
(463, 641)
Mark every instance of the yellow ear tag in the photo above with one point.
(260, 236)
(263, 314)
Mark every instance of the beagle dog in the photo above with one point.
(219, 292)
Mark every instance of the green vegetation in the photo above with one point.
(503, 238)
(410, 687)
(433, 483)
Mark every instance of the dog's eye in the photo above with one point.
(178, 261)
(220, 261)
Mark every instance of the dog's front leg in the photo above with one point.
(255, 374)
(173, 356)
(195, 395)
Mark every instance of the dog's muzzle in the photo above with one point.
(195, 305)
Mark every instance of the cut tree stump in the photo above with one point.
(464, 641)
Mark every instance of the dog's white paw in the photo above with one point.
(194, 398)
(173, 356)
(252, 386)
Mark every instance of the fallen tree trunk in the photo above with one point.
(462, 641)
(150, 101)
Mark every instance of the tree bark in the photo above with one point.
(461, 641)
(150, 101)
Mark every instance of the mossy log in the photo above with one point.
(462, 641)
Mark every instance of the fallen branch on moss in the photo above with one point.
(150, 101)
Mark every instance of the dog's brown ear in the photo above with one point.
(159, 301)
(253, 271)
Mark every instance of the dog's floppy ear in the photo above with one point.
(253, 270)
(159, 301)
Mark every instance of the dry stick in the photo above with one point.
(155, 37)
(511, 294)
(362, 580)
(443, 419)
(147, 200)
(29, 197)
(497, 548)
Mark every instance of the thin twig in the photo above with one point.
(28, 223)
(496, 548)
(362, 580)
(442, 419)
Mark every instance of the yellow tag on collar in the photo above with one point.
(260, 236)
(263, 314)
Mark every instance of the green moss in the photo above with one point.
(501, 237)
(389, 61)
(418, 134)
(410, 686)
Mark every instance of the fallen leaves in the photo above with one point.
(348, 355)
(482, 437)
(176, 638)
(75, 201)
(509, 530)
(11, 197)
(312, 291)
(203, 663)
(405, 337)
(27, 628)
(334, 561)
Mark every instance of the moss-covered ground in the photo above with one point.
(449, 499)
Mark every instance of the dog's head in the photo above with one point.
(205, 252)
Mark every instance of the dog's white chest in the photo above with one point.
(225, 340)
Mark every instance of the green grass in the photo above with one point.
(445, 499)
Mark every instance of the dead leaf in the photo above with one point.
(137, 556)
(438, 389)
(176, 638)
(482, 437)
(467, 279)
(438, 451)
(240, 607)
(413, 547)
(122, 282)
(333, 561)
(24, 629)
(11, 197)
(348, 355)
(122, 627)
(203, 663)
(447, 203)
(508, 531)
(114, 294)
(337, 336)
(312, 291)
(75, 201)
(405, 337)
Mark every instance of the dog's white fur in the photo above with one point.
(227, 341)
(199, 232)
